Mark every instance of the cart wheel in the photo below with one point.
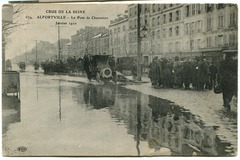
(98, 77)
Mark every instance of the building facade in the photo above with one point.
(80, 42)
(220, 30)
(99, 44)
(184, 30)
(118, 36)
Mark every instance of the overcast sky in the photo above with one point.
(45, 29)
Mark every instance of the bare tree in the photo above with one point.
(9, 28)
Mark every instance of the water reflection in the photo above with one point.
(98, 97)
(159, 122)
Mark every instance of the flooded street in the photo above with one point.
(62, 118)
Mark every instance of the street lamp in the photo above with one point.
(141, 33)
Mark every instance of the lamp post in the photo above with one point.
(139, 39)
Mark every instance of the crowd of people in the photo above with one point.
(197, 73)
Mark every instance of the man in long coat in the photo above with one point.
(228, 76)
(155, 72)
(87, 66)
(187, 76)
(177, 69)
(202, 73)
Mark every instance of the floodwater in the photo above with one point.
(61, 118)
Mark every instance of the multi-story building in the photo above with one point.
(104, 44)
(99, 44)
(144, 21)
(118, 36)
(193, 33)
(166, 29)
(184, 30)
(83, 38)
(220, 30)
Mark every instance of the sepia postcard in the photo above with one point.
(126, 79)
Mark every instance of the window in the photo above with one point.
(232, 40)
(153, 22)
(216, 40)
(171, 5)
(209, 7)
(170, 47)
(119, 29)
(199, 43)
(187, 11)
(135, 36)
(115, 30)
(192, 28)
(170, 17)
(177, 30)
(146, 9)
(199, 26)
(141, 8)
(135, 10)
(192, 44)
(170, 32)
(141, 22)
(158, 34)
(159, 7)
(153, 34)
(158, 20)
(164, 6)
(220, 6)
(177, 46)
(219, 40)
(209, 42)
(130, 12)
(135, 23)
(225, 40)
(193, 9)
(153, 8)
(110, 32)
(164, 18)
(164, 33)
(232, 19)
(177, 15)
(186, 29)
(130, 24)
(198, 9)
(209, 24)
(220, 21)
(146, 20)
(130, 37)
(124, 28)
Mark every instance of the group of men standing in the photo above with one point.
(199, 72)
(179, 73)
